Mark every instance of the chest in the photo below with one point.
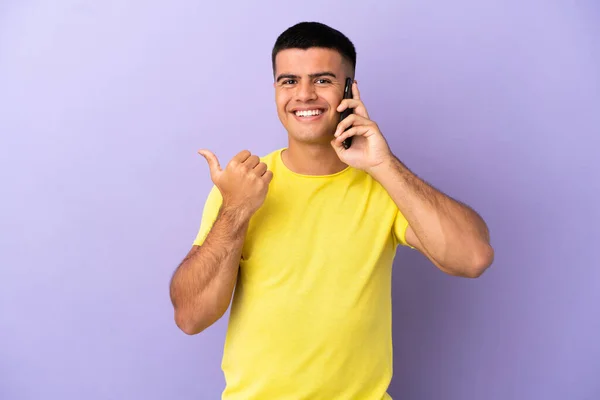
(321, 234)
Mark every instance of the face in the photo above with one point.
(309, 85)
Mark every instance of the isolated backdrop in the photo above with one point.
(104, 104)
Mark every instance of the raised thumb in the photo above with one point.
(211, 159)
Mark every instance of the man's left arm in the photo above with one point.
(450, 234)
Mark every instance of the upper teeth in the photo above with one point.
(308, 113)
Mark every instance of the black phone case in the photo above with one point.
(347, 95)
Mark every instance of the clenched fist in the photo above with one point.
(243, 183)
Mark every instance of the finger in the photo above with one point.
(351, 120)
(357, 106)
(268, 176)
(211, 159)
(260, 169)
(361, 110)
(338, 147)
(355, 91)
(241, 156)
(349, 103)
(344, 124)
(354, 131)
(252, 161)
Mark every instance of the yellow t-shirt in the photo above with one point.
(311, 313)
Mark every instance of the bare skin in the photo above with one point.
(449, 233)
(202, 285)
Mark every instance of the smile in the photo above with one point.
(308, 113)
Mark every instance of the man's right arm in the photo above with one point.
(202, 285)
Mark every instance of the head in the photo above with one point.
(311, 62)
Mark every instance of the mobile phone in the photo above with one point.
(347, 95)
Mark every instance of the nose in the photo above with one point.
(306, 91)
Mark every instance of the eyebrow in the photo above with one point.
(312, 76)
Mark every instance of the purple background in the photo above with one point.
(103, 106)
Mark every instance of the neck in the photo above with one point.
(312, 159)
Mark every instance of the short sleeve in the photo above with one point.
(209, 214)
(400, 227)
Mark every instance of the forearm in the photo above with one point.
(451, 233)
(202, 285)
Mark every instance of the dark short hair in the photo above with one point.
(305, 35)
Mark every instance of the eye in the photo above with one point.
(289, 82)
(323, 81)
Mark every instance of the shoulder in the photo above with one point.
(272, 157)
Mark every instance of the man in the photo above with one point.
(307, 234)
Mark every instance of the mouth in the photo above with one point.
(309, 115)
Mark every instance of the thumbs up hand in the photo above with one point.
(243, 183)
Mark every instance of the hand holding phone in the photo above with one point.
(347, 95)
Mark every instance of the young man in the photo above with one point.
(307, 234)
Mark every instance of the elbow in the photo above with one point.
(193, 321)
(187, 324)
(482, 258)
